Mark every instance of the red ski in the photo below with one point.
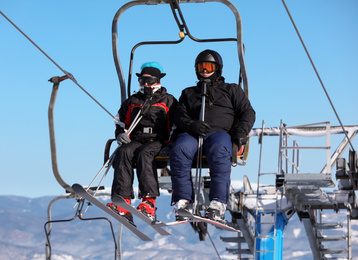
(187, 214)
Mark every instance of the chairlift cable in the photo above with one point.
(318, 76)
(212, 242)
(67, 74)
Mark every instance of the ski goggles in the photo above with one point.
(208, 66)
(150, 80)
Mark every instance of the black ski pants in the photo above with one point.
(143, 156)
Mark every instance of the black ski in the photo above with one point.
(187, 214)
(119, 201)
(84, 194)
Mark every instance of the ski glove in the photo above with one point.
(123, 139)
(239, 137)
(199, 127)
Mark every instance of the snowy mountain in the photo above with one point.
(23, 235)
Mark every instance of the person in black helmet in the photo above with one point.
(144, 142)
(228, 119)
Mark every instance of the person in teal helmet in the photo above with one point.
(144, 142)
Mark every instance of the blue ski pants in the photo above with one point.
(218, 150)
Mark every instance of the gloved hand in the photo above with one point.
(199, 127)
(239, 137)
(123, 139)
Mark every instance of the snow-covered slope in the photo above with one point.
(23, 236)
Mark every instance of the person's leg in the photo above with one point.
(218, 150)
(148, 177)
(123, 171)
(146, 170)
(123, 178)
(181, 158)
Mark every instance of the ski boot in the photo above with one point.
(216, 211)
(181, 204)
(147, 207)
(122, 212)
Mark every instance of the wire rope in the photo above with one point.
(58, 66)
(212, 242)
(318, 76)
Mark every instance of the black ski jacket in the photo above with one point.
(156, 123)
(226, 108)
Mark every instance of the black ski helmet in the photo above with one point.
(210, 56)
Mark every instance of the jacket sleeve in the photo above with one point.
(244, 113)
(172, 110)
(182, 119)
(121, 117)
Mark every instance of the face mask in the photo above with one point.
(147, 91)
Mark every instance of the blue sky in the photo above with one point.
(77, 35)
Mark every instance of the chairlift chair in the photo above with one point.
(162, 159)
(240, 155)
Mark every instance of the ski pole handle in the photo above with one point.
(146, 105)
(203, 96)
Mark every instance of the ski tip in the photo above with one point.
(76, 186)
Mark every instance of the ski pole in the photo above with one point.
(200, 149)
(146, 105)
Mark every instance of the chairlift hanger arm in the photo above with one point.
(175, 5)
(56, 82)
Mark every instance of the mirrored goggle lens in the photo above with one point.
(149, 80)
(208, 66)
